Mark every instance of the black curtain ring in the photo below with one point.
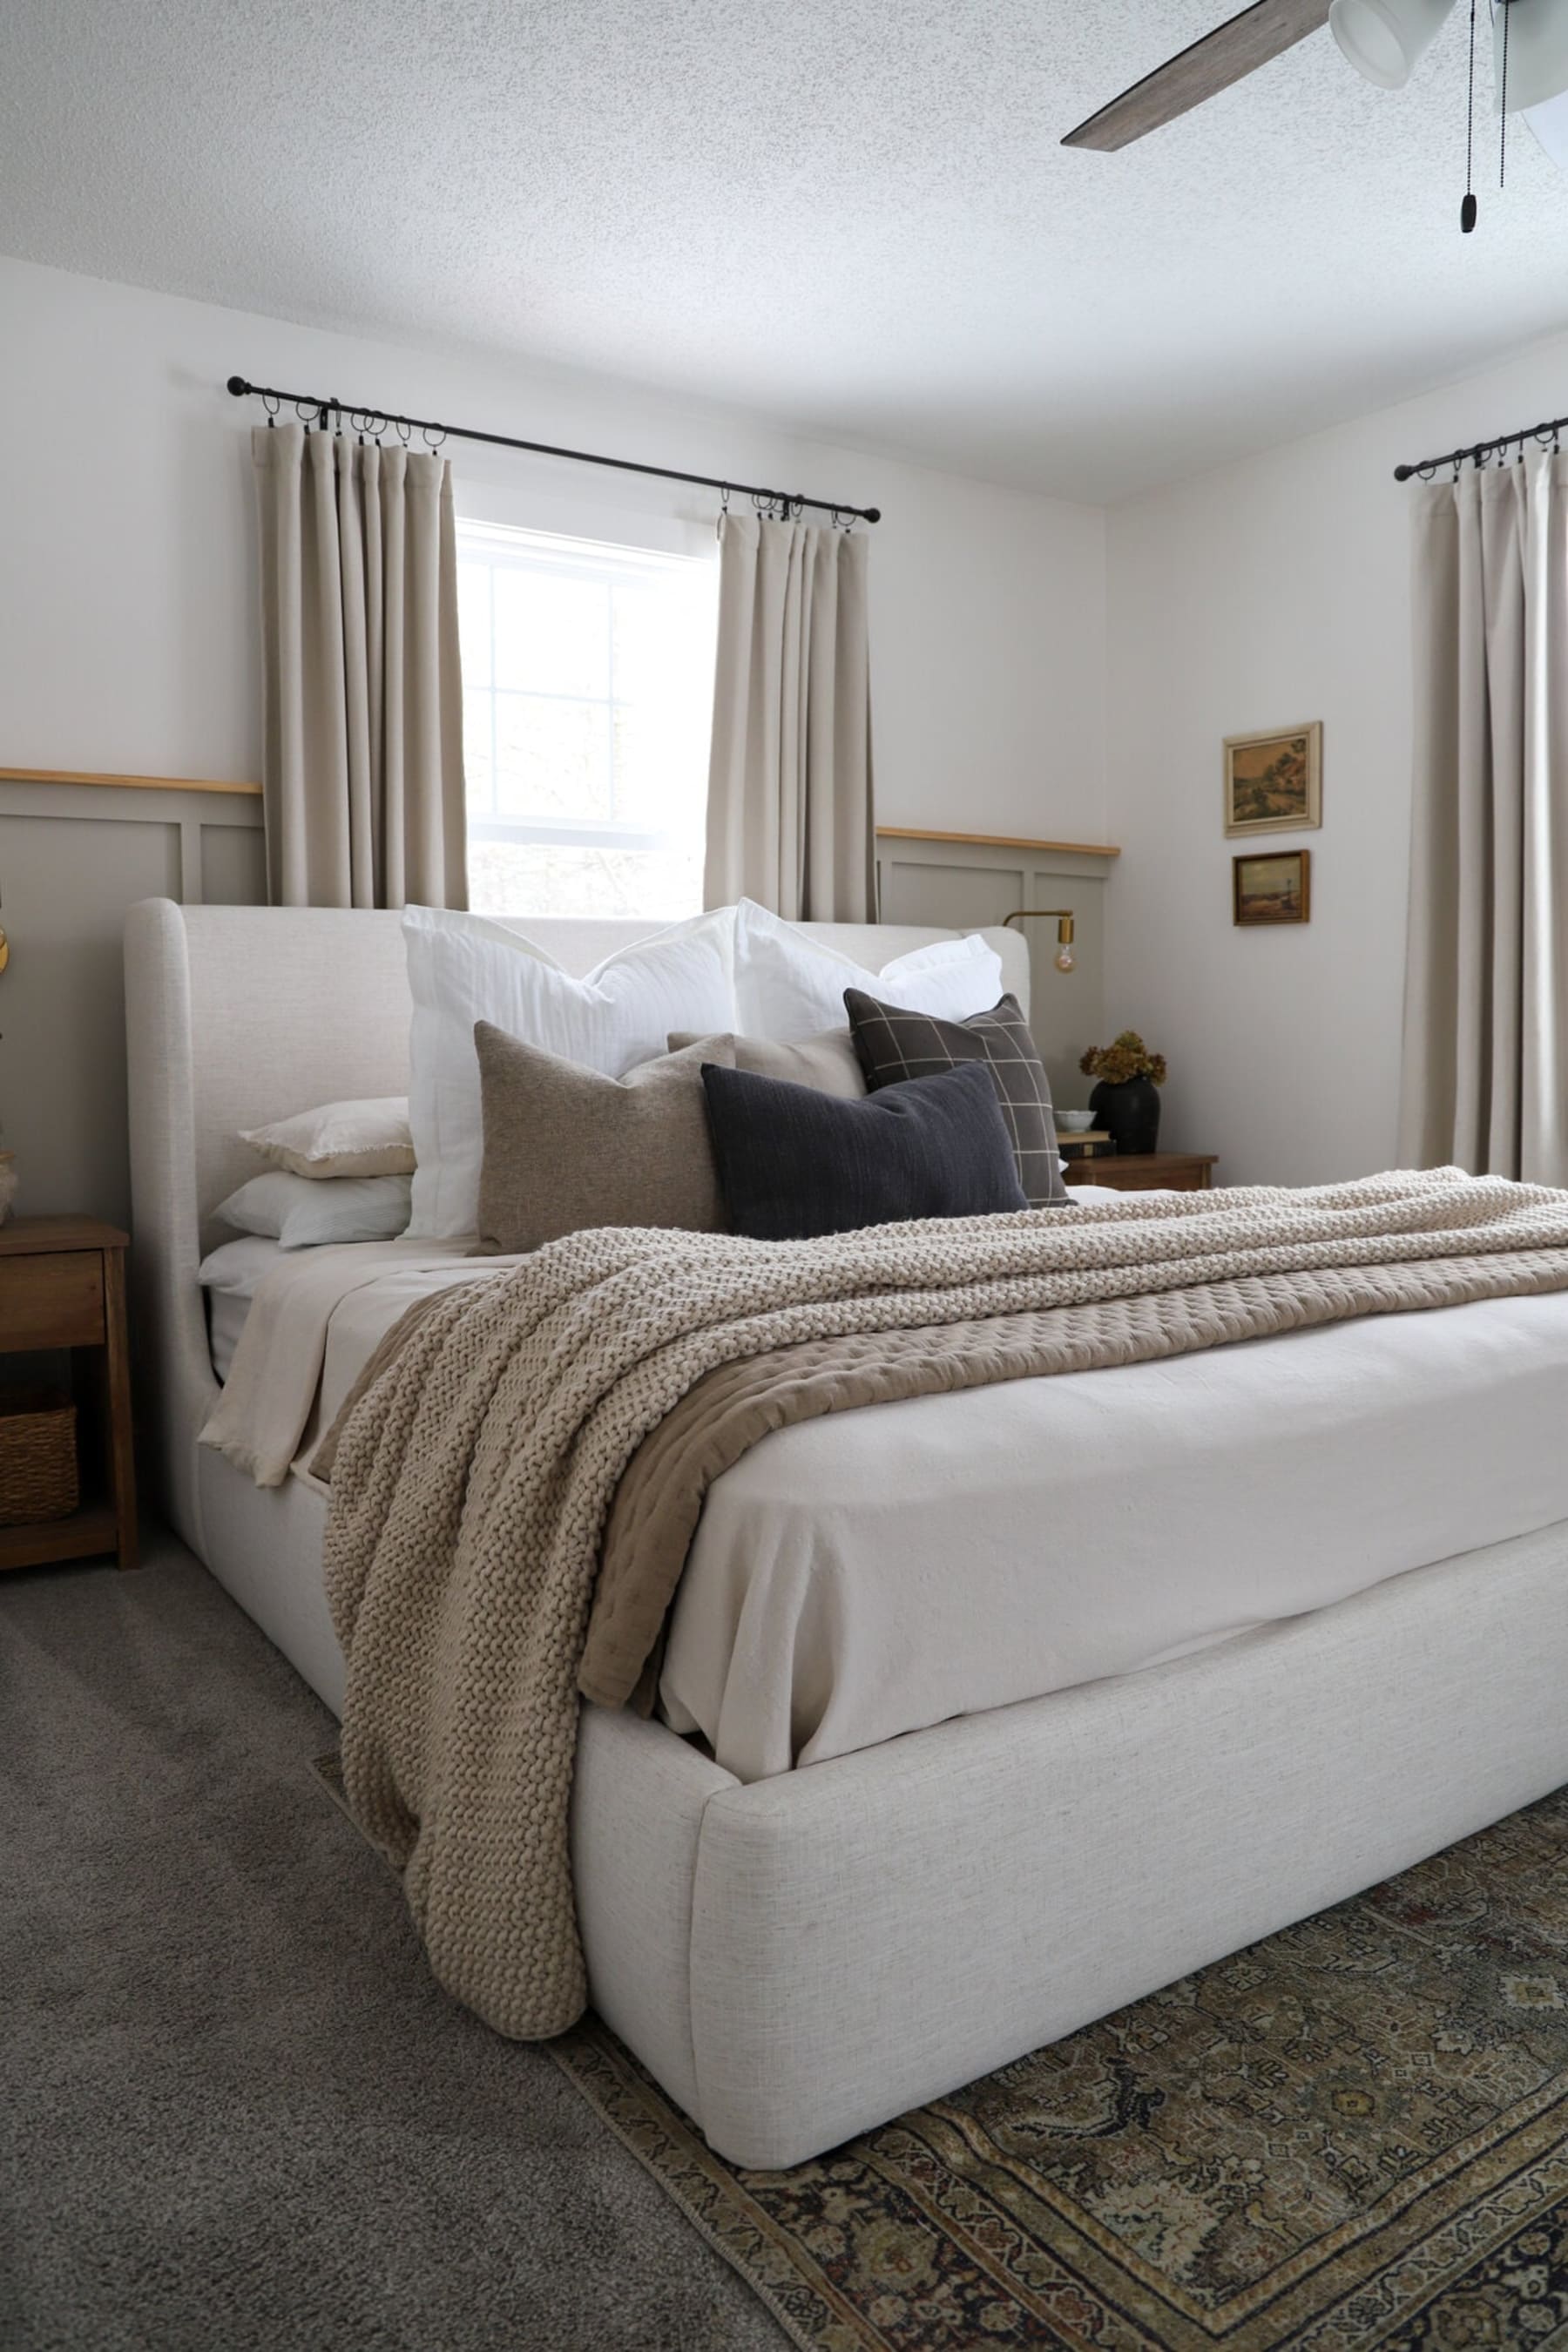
(404, 430)
(441, 432)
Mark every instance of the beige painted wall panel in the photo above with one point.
(64, 885)
(234, 866)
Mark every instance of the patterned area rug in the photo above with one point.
(1354, 2135)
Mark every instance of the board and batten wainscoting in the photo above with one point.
(963, 881)
(75, 852)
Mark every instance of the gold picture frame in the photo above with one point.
(1274, 781)
(1271, 886)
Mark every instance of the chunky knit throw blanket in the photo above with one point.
(474, 1476)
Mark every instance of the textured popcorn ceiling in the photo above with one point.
(852, 215)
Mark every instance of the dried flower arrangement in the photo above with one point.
(1127, 1056)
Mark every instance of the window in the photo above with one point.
(587, 692)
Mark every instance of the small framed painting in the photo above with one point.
(1274, 782)
(1275, 888)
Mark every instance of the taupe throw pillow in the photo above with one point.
(894, 1045)
(826, 1063)
(566, 1148)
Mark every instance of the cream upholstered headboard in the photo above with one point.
(235, 1015)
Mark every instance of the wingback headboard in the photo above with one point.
(235, 1015)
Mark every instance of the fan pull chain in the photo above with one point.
(1468, 209)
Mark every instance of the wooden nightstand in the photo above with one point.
(62, 1284)
(1147, 1171)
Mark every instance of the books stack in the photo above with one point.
(1094, 1143)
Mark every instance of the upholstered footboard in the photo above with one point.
(872, 1932)
(805, 1957)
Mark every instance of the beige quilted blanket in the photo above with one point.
(474, 1478)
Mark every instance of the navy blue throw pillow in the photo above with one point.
(793, 1163)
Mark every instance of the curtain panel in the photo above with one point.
(1486, 961)
(362, 677)
(790, 816)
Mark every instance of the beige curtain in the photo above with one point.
(363, 700)
(790, 819)
(1486, 964)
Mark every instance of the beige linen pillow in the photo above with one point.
(566, 1148)
(827, 1064)
(339, 1139)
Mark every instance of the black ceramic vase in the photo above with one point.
(1129, 1113)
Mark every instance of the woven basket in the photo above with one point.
(37, 1456)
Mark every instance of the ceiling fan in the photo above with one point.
(1384, 39)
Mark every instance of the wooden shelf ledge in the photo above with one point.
(999, 840)
(132, 783)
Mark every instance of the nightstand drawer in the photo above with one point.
(52, 1300)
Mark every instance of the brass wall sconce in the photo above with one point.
(1062, 917)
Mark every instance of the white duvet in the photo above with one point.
(875, 1571)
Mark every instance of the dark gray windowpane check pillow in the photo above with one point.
(894, 1047)
(794, 1162)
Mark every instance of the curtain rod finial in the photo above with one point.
(238, 385)
(873, 514)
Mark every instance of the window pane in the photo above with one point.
(552, 758)
(479, 783)
(531, 877)
(552, 632)
(588, 683)
(474, 621)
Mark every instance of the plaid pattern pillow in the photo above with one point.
(893, 1045)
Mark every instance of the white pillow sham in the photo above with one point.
(342, 1139)
(300, 1212)
(463, 969)
(789, 987)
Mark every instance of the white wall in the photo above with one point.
(127, 623)
(1273, 591)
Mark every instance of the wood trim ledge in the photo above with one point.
(135, 783)
(998, 841)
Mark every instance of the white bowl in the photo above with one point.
(1076, 1122)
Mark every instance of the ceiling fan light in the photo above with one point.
(1536, 52)
(1550, 124)
(1385, 39)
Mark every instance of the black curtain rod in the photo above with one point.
(309, 407)
(1479, 451)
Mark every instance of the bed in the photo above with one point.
(864, 1896)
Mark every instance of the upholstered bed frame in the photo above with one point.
(804, 1957)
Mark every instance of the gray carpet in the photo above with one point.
(234, 2111)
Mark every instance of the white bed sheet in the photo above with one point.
(229, 1274)
(877, 1571)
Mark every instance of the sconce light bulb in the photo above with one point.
(1065, 959)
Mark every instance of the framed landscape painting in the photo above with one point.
(1274, 782)
(1273, 888)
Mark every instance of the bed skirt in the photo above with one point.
(803, 1958)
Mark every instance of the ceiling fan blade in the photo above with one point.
(1231, 51)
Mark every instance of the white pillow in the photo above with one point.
(300, 1212)
(341, 1139)
(463, 969)
(236, 1267)
(790, 987)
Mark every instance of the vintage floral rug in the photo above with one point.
(1354, 2135)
